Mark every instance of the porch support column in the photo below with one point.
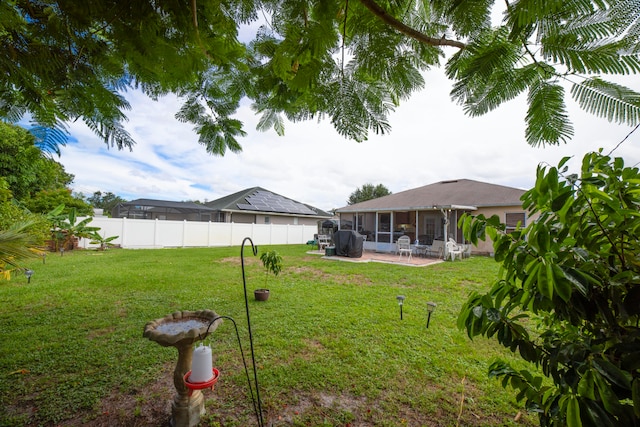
(446, 226)
(376, 230)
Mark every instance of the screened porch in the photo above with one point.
(383, 228)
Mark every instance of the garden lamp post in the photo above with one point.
(431, 307)
(400, 299)
(28, 273)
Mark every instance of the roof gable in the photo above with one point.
(459, 192)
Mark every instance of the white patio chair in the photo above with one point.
(404, 246)
(323, 242)
(453, 249)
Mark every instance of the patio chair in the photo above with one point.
(323, 241)
(453, 249)
(404, 246)
(436, 249)
(466, 250)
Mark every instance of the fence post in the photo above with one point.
(155, 234)
(123, 234)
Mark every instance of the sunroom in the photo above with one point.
(423, 225)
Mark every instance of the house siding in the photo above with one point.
(419, 212)
(486, 247)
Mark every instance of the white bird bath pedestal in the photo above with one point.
(181, 330)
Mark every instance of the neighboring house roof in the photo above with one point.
(258, 200)
(459, 193)
(164, 205)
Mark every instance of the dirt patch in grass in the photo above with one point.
(229, 404)
(143, 407)
(320, 275)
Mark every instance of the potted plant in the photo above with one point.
(272, 262)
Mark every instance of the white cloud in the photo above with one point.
(431, 140)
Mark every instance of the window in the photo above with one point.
(384, 222)
(513, 218)
(267, 220)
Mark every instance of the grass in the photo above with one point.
(330, 346)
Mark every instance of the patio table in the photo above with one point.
(421, 250)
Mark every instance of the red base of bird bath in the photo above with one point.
(201, 386)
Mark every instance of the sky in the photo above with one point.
(431, 140)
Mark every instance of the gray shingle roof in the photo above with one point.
(459, 192)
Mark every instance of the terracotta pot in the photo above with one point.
(261, 294)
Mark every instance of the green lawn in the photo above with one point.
(330, 346)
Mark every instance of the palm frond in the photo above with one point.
(17, 244)
(112, 133)
(612, 101)
(271, 119)
(360, 107)
(503, 86)
(486, 73)
(466, 17)
(547, 119)
(525, 16)
(581, 57)
(50, 139)
(219, 135)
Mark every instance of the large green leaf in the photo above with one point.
(573, 412)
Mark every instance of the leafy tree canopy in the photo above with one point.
(24, 167)
(350, 62)
(568, 297)
(368, 192)
(47, 200)
(106, 201)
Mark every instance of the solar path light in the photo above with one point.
(431, 307)
(400, 299)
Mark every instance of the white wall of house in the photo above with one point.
(153, 234)
(285, 219)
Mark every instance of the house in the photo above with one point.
(259, 206)
(432, 212)
(162, 209)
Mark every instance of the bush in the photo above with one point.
(568, 296)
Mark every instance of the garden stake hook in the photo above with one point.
(246, 304)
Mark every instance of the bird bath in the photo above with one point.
(181, 330)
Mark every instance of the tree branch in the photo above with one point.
(406, 30)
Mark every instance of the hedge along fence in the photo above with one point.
(156, 234)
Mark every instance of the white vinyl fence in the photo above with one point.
(155, 234)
